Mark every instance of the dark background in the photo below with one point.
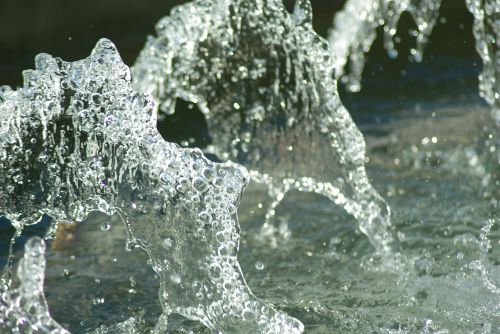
(69, 29)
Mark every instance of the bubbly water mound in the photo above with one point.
(24, 309)
(355, 27)
(265, 82)
(77, 138)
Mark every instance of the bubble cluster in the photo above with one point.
(77, 138)
(265, 82)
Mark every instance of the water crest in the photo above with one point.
(265, 82)
(76, 138)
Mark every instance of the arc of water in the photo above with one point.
(77, 138)
(265, 82)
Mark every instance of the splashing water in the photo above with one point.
(355, 27)
(354, 32)
(487, 33)
(77, 138)
(25, 310)
(264, 80)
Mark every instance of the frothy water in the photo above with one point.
(25, 310)
(264, 80)
(80, 137)
(76, 138)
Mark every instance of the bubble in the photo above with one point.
(105, 226)
(259, 265)
(200, 184)
(167, 243)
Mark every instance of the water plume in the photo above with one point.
(265, 83)
(77, 138)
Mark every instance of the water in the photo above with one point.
(354, 32)
(99, 141)
(263, 78)
(312, 258)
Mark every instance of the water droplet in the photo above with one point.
(133, 282)
(98, 301)
(259, 265)
(175, 278)
(167, 243)
(105, 226)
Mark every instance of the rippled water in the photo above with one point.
(435, 164)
